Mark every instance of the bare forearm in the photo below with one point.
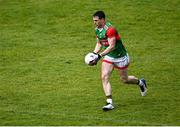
(97, 48)
(105, 52)
(110, 48)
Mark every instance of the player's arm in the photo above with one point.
(97, 47)
(96, 51)
(111, 34)
(112, 43)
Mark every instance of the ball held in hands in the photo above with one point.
(92, 58)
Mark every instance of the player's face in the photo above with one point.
(98, 22)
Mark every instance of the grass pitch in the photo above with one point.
(43, 77)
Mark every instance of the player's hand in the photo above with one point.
(94, 62)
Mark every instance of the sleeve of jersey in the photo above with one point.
(111, 32)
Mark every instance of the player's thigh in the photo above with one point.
(123, 74)
(106, 69)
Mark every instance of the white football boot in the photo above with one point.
(107, 107)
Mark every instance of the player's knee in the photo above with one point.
(104, 77)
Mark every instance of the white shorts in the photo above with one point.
(120, 63)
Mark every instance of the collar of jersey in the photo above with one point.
(100, 29)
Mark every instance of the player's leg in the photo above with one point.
(106, 71)
(127, 79)
(133, 80)
(122, 64)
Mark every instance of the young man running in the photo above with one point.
(110, 47)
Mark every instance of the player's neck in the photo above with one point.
(102, 26)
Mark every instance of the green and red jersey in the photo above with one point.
(108, 31)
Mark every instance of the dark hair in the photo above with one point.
(99, 14)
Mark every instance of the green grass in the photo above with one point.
(43, 77)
